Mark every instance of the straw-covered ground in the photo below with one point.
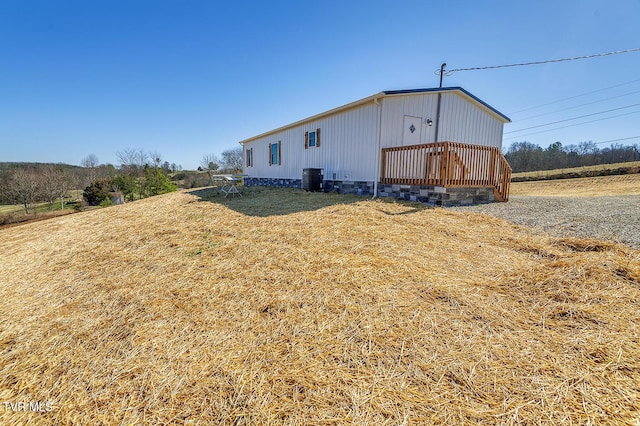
(283, 307)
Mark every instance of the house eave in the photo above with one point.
(461, 91)
(374, 98)
(333, 111)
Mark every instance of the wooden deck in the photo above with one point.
(447, 164)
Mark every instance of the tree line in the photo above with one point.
(529, 157)
(29, 183)
(140, 174)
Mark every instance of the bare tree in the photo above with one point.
(524, 156)
(155, 157)
(232, 160)
(588, 151)
(54, 184)
(166, 168)
(129, 166)
(132, 163)
(210, 163)
(24, 188)
(142, 159)
(90, 163)
(5, 188)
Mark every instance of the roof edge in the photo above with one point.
(350, 105)
(374, 98)
(449, 89)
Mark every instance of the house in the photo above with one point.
(441, 146)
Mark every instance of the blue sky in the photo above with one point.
(187, 78)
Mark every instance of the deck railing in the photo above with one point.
(448, 164)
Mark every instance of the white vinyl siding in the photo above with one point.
(348, 147)
(460, 120)
(393, 117)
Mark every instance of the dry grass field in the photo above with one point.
(283, 307)
(10, 208)
(581, 187)
(583, 169)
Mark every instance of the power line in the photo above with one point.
(578, 106)
(573, 125)
(573, 97)
(574, 118)
(548, 61)
(617, 140)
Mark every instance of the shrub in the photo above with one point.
(78, 205)
(97, 192)
(107, 202)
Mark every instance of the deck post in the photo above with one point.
(383, 166)
(492, 167)
(445, 167)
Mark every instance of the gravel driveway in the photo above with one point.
(614, 218)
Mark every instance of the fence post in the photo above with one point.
(445, 167)
(383, 166)
(492, 167)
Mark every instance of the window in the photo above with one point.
(275, 153)
(249, 157)
(312, 139)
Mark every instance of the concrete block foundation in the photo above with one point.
(433, 195)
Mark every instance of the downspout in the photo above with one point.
(378, 165)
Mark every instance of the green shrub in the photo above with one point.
(97, 192)
(106, 202)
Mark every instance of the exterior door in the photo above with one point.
(412, 130)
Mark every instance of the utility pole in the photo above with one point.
(437, 130)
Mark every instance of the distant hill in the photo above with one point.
(10, 165)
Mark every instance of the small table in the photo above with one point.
(229, 184)
(230, 187)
